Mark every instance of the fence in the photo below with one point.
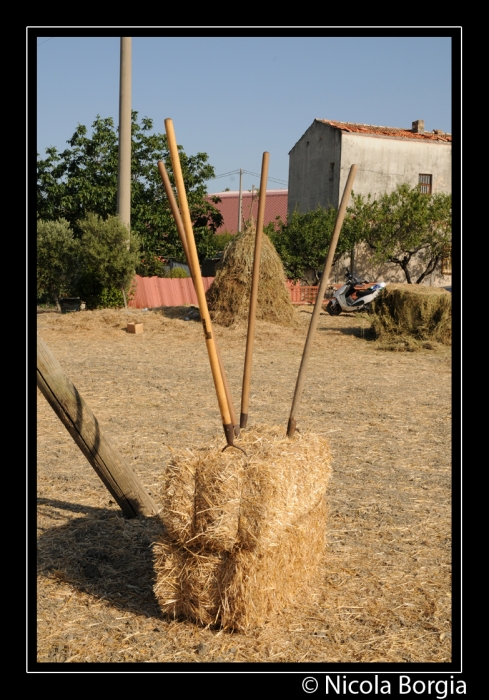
(152, 292)
(303, 294)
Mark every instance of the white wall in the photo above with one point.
(383, 163)
(312, 180)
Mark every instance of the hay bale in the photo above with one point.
(244, 588)
(409, 317)
(177, 498)
(253, 531)
(228, 298)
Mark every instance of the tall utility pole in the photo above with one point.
(240, 206)
(124, 179)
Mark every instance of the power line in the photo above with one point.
(43, 42)
(283, 182)
(247, 172)
(231, 172)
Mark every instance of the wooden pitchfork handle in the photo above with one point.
(183, 240)
(199, 287)
(245, 392)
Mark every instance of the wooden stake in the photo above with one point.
(199, 286)
(245, 393)
(319, 301)
(183, 240)
(85, 430)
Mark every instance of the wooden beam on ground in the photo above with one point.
(85, 430)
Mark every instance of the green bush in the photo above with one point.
(152, 266)
(108, 257)
(178, 273)
(57, 260)
(110, 298)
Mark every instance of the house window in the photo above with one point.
(446, 260)
(425, 183)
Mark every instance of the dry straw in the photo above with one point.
(229, 296)
(244, 535)
(410, 317)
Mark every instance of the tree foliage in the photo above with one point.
(108, 250)
(98, 266)
(303, 241)
(405, 225)
(57, 260)
(82, 179)
(108, 257)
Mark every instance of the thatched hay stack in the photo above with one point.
(411, 316)
(249, 539)
(228, 298)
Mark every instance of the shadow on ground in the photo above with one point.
(184, 313)
(103, 554)
(356, 331)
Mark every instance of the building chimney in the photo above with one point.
(418, 126)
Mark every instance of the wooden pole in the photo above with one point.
(319, 301)
(85, 430)
(124, 178)
(245, 393)
(183, 240)
(199, 286)
(125, 121)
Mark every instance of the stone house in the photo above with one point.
(320, 161)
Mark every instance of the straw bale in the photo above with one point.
(263, 581)
(177, 498)
(228, 298)
(257, 532)
(218, 499)
(187, 584)
(243, 588)
(218, 488)
(285, 479)
(413, 316)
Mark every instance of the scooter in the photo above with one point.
(347, 298)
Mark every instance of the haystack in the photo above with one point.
(228, 298)
(244, 533)
(412, 316)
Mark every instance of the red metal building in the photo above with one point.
(275, 205)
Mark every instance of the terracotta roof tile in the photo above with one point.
(388, 131)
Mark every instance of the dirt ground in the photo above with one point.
(384, 587)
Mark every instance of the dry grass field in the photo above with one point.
(383, 590)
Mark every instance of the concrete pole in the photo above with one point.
(124, 178)
(240, 206)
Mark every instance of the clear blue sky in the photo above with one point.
(236, 97)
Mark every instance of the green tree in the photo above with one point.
(210, 244)
(57, 260)
(108, 257)
(152, 266)
(303, 241)
(83, 179)
(404, 226)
